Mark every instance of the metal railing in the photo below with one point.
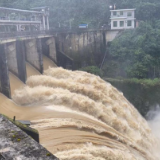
(22, 34)
(7, 35)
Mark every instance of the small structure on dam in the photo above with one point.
(15, 144)
(122, 19)
(24, 20)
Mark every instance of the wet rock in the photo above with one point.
(17, 145)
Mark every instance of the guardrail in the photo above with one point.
(6, 35)
(21, 34)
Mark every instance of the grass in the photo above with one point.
(148, 82)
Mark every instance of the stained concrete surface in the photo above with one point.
(17, 145)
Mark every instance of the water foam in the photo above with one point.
(80, 116)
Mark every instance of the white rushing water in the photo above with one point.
(80, 116)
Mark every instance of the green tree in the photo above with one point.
(137, 52)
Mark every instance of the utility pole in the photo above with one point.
(70, 23)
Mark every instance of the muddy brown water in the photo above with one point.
(79, 116)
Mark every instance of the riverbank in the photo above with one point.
(142, 93)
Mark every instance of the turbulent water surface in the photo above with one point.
(81, 117)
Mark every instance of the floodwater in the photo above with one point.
(31, 71)
(80, 117)
(48, 63)
(15, 83)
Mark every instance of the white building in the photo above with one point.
(122, 19)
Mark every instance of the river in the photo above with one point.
(80, 116)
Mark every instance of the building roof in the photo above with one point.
(123, 10)
(122, 18)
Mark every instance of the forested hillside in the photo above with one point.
(136, 53)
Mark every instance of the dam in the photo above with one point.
(78, 115)
(28, 42)
(37, 49)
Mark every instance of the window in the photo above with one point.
(129, 14)
(121, 23)
(114, 23)
(129, 23)
(121, 13)
(114, 13)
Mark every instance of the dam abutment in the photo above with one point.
(34, 53)
(21, 61)
(39, 51)
(49, 48)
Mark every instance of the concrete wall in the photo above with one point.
(13, 56)
(66, 49)
(49, 48)
(111, 35)
(26, 147)
(85, 48)
(4, 76)
(15, 53)
(52, 48)
(21, 60)
(34, 53)
(77, 42)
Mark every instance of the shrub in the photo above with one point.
(93, 70)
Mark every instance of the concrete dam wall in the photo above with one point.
(70, 50)
(15, 54)
(85, 48)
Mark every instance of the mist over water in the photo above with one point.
(153, 118)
